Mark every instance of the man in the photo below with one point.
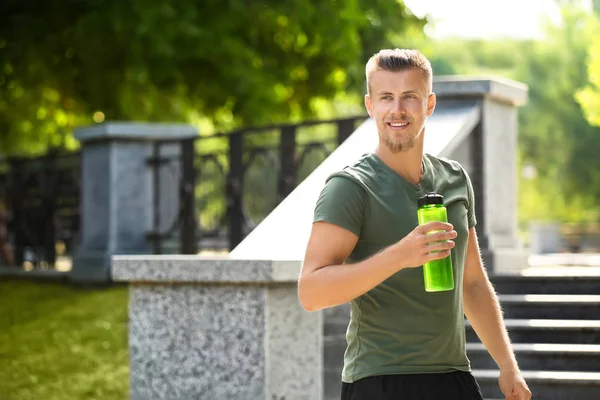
(366, 248)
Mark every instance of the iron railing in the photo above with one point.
(40, 201)
(172, 164)
(229, 182)
(209, 192)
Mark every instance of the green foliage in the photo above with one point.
(553, 122)
(59, 342)
(453, 56)
(589, 97)
(227, 63)
(546, 198)
(554, 135)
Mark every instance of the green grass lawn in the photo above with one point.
(59, 342)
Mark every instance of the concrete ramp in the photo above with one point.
(284, 233)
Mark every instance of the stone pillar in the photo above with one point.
(117, 192)
(216, 328)
(489, 154)
(475, 122)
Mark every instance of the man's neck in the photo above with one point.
(408, 164)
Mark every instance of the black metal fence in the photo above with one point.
(229, 182)
(39, 209)
(209, 191)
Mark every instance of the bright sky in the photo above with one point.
(486, 18)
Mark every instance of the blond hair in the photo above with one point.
(396, 60)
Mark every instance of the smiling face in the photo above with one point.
(400, 102)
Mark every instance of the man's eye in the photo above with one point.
(386, 97)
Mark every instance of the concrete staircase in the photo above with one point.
(553, 322)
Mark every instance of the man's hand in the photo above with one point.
(327, 281)
(513, 385)
(420, 246)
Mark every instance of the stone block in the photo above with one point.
(216, 328)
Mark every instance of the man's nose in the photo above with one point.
(398, 107)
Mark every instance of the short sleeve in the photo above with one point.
(342, 203)
(471, 201)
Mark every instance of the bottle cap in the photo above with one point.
(431, 198)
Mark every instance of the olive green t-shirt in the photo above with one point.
(398, 327)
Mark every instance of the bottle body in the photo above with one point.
(437, 274)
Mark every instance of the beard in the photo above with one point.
(398, 145)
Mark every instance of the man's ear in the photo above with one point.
(431, 101)
(369, 105)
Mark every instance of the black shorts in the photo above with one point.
(456, 385)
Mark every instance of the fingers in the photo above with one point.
(437, 246)
(520, 392)
(523, 394)
(434, 226)
(438, 255)
(439, 236)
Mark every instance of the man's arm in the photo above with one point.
(482, 307)
(325, 281)
(483, 311)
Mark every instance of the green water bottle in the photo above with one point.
(437, 274)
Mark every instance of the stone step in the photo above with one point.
(520, 306)
(542, 357)
(560, 284)
(523, 330)
(547, 331)
(546, 356)
(550, 306)
(546, 385)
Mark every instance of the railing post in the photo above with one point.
(477, 176)
(345, 127)
(235, 181)
(48, 209)
(287, 162)
(154, 164)
(16, 199)
(189, 243)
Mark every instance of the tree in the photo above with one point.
(70, 62)
(589, 97)
(554, 136)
